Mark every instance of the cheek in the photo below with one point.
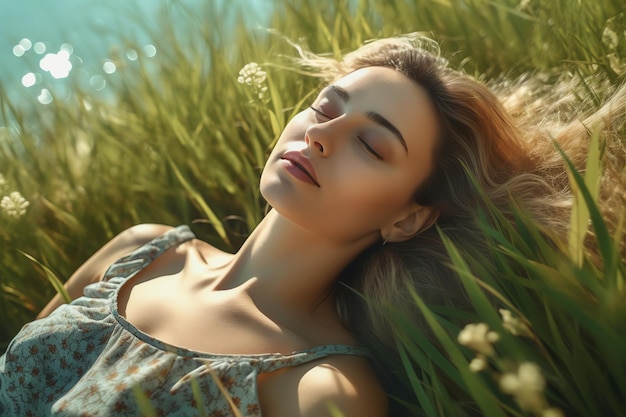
(372, 203)
(295, 128)
(293, 133)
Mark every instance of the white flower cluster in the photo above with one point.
(252, 75)
(480, 339)
(13, 205)
(514, 325)
(526, 385)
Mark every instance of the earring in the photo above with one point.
(384, 241)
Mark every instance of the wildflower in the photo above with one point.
(552, 412)
(526, 386)
(479, 338)
(493, 337)
(14, 204)
(514, 325)
(252, 75)
(479, 363)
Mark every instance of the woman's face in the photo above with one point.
(348, 166)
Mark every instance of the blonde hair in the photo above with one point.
(495, 144)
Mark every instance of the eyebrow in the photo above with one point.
(373, 116)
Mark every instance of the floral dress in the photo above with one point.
(85, 359)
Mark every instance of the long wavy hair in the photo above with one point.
(495, 144)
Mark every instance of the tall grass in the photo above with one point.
(179, 140)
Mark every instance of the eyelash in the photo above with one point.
(321, 113)
(367, 147)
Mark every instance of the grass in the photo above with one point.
(179, 140)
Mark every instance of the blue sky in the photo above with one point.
(86, 28)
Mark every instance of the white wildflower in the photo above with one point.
(479, 363)
(493, 337)
(526, 386)
(14, 204)
(514, 325)
(252, 75)
(478, 337)
(552, 412)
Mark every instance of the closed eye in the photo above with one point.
(369, 149)
(363, 143)
(320, 113)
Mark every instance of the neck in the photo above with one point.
(289, 269)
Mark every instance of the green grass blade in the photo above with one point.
(51, 276)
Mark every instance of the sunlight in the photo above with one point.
(58, 65)
(28, 80)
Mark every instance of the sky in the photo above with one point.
(44, 41)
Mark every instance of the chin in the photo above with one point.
(277, 189)
(267, 187)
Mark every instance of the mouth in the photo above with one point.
(301, 163)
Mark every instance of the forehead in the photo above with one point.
(397, 98)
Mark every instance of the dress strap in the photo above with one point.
(148, 252)
(273, 363)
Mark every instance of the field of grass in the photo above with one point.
(180, 140)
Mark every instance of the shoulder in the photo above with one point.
(93, 269)
(338, 385)
(138, 235)
(122, 244)
(127, 241)
(344, 382)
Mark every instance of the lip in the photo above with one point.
(301, 164)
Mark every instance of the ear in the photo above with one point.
(413, 221)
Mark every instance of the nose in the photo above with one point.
(316, 145)
(318, 138)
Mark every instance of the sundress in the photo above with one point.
(86, 360)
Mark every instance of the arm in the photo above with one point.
(94, 268)
(343, 383)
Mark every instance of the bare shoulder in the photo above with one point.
(125, 242)
(138, 235)
(94, 268)
(122, 244)
(341, 383)
(345, 382)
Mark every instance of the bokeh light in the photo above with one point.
(132, 55)
(149, 50)
(30, 79)
(58, 65)
(109, 67)
(44, 96)
(97, 82)
(67, 48)
(18, 50)
(39, 48)
(26, 44)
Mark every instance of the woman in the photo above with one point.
(389, 148)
